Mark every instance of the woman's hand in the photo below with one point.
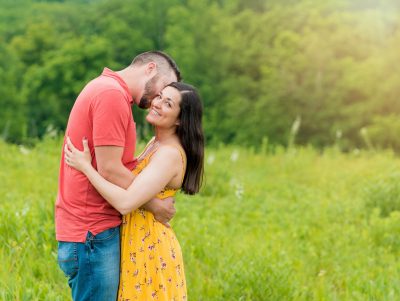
(77, 159)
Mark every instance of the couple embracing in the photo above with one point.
(136, 256)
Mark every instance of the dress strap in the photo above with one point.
(145, 152)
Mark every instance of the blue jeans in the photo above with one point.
(92, 267)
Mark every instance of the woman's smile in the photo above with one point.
(154, 112)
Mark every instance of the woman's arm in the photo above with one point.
(164, 165)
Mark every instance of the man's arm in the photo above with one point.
(109, 165)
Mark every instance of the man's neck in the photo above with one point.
(129, 76)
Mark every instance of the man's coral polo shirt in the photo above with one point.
(102, 113)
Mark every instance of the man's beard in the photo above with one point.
(149, 93)
(144, 103)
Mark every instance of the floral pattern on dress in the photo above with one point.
(151, 257)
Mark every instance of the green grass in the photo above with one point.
(289, 225)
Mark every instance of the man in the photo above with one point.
(87, 227)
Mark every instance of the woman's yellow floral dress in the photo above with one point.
(151, 257)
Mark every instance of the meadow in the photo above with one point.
(274, 224)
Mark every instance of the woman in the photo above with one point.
(151, 258)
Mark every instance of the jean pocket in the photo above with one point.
(68, 258)
(107, 234)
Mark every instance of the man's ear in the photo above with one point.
(151, 67)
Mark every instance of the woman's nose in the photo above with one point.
(157, 102)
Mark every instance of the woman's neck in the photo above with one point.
(163, 135)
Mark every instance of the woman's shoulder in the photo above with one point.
(171, 150)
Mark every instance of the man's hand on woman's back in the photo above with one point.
(163, 210)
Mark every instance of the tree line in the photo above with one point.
(282, 71)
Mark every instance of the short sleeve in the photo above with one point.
(111, 114)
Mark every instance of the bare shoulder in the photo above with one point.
(169, 153)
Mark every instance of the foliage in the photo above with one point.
(383, 132)
(50, 89)
(260, 65)
(13, 108)
(282, 225)
(384, 194)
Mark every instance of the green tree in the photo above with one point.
(12, 114)
(51, 89)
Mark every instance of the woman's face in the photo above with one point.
(165, 108)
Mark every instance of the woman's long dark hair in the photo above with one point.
(190, 133)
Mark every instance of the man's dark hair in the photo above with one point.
(164, 62)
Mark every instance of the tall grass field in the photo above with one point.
(297, 224)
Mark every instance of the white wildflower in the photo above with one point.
(239, 191)
(339, 134)
(238, 188)
(235, 156)
(25, 210)
(24, 150)
(210, 159)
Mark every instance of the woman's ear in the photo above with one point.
(178, 122)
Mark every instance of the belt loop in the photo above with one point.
(91, 242)
(90, 237)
